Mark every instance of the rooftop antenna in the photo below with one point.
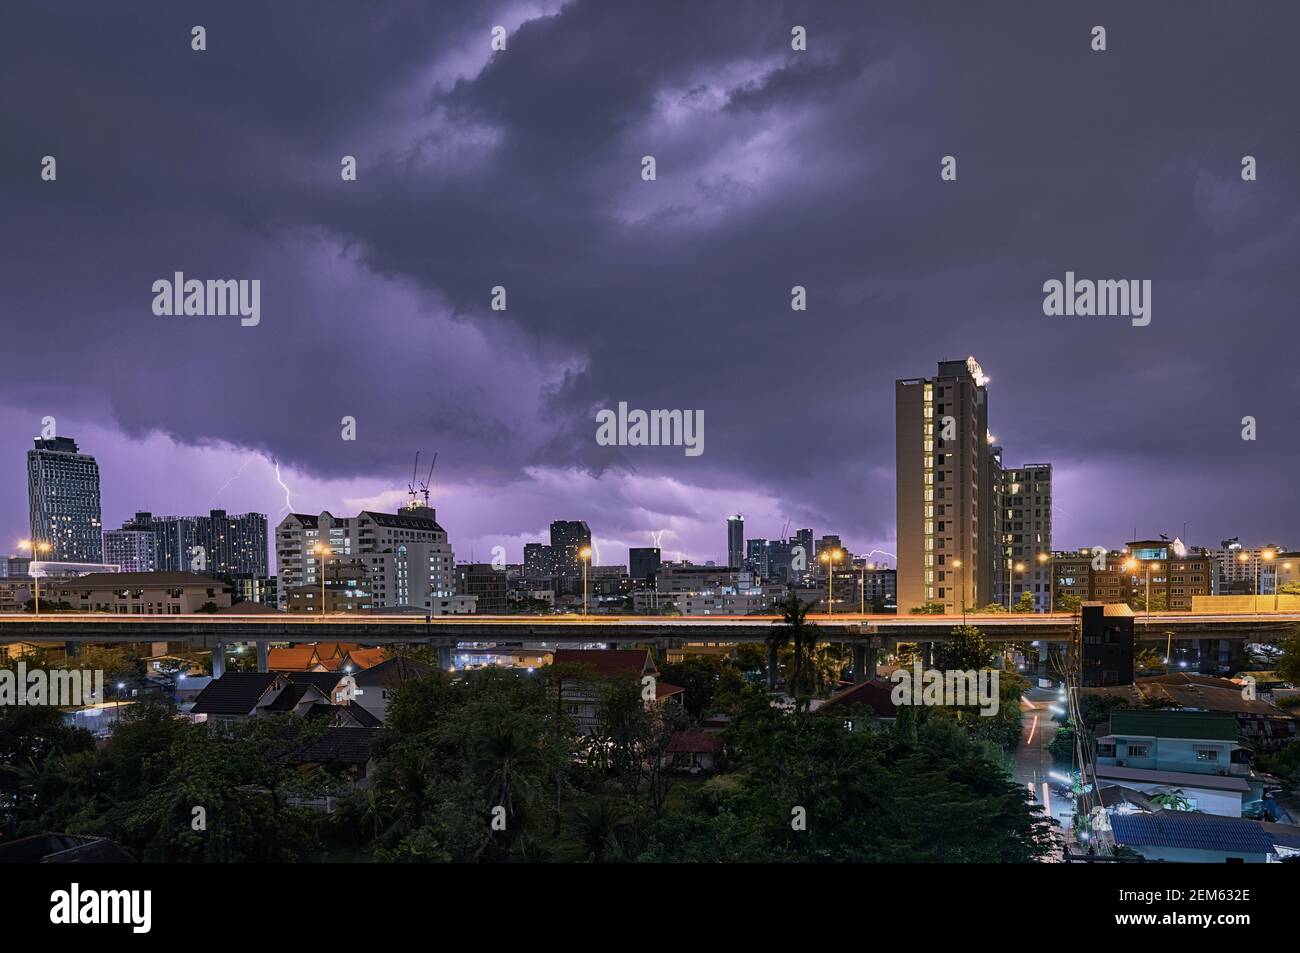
(424, 487)
(410, 487)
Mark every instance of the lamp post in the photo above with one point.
(1044, 559)
(321, 551)
(36, 547)
(1277, 583)
(1267, 555)
(1148, 566)
(830, 557)
(585, 555)
(1017, 569)
(957, 565)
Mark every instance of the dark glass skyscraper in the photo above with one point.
(63, 501)
(735, 541)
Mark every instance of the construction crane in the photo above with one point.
(410, 487)
(424, 487)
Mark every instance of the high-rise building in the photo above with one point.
(486, 583)
(804, 538)
(63, 501)
(568, 539)
(131, 550)
(539, 561)
(410, 562)
(946, 501)
(735, 541)
(219, 544)
(1237, 568)
(643, 563)
(1173, 575)
(1024, 510)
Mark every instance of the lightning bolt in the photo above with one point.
(288, 495)
(882, 552)
(657, 538)
(230, 481)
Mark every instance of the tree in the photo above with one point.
(804, 789)
(1066, 602)
(796, 631)
(1288, 666)
(930, 608)
(1025, 603)
(1172, 800)
(709, 681)
(964, 650)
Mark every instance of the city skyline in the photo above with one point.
(820, 170)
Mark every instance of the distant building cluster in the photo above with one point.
(972, 533)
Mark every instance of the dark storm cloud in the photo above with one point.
(775, 168)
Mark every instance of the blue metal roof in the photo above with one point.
(1192, 830)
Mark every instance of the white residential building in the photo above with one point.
(410, 562)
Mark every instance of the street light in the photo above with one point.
(956, 563)
(585, 555)
(1277, 581)
(322, 551)
(1131, 565)
(1044, 559)
(830, 557)
(1267, 555)
(1016, 569)
(36, 547)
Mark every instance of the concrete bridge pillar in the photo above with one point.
(1209, 652)
(219, 660)
(445, 656)
(927, 654)
(263, 656)
(859, 662)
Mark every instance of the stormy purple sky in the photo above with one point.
(775, 168)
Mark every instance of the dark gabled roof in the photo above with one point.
(402, 521)
(337, 746)
(306, 519)
(52, 848)
(1191, 830)
(364, 717)
(235, 693)
(292, 696)
(325, 682)
(392, 671)
(876, 694)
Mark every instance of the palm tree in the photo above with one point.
(511, 764)
(794, 629)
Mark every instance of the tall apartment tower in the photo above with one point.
(946, 488)
(131, 550)
(568, 539)
(63, 501)
(1024, 511)
(735, 541)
